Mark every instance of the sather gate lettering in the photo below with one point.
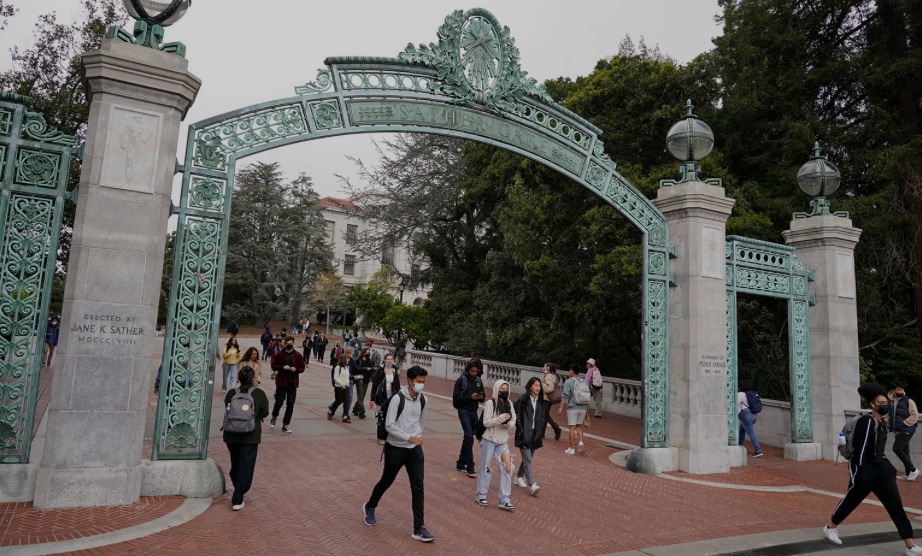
(468, 85)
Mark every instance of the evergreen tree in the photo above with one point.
(277, 248)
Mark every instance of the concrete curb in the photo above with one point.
(190, 509)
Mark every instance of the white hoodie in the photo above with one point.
(495, 432)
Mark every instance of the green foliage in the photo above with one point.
(166, 280)
(849, 75)
(276, 246)
(49, 72)
(413, 320)
(373, 301)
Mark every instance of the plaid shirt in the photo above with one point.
(284, 358)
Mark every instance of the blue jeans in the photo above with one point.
(230, 375)
(747, 419)
(468, 418)
(489, 451)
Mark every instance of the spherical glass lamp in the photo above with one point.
(690, 139)
(163, 13)
(818, 177)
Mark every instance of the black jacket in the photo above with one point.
(869, 463)
(466, 386)
(534, 438)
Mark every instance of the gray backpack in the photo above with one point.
(240, 413)
(847, 450)
(581, 393)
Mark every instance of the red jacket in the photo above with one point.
(290, 359)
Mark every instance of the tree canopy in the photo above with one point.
(277, 248)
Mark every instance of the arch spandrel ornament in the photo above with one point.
(469, 85)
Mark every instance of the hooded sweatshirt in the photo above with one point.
(493, 421)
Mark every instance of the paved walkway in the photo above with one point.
(310, 485)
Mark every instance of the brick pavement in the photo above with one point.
(309, 488)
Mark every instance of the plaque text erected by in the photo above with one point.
(95, 328)
(406, 112)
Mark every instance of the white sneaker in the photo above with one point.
(914, 551)
(534, 489)
(570, 452)
(520, 482)
(832, 535)
(581, 448)
(912, 477)
(237, 507)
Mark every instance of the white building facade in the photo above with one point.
(344, 226)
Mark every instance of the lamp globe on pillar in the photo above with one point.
(819, 179)
(402, 287)
(689, 141)
(151, 17)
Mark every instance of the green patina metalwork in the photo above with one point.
(34, 163)
(148, 31)
(770, 269)
(468, 85)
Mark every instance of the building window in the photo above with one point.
(414, 272)
(349, 266)
(330, 228)
(352, 234)
(387, 253)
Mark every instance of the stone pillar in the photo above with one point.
(826, 244)
(92, 451)
(697, 214)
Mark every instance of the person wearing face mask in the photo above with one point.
(287, 364)
(904, 417)
(52, 331)
(871, 471)
(404, 448)
(499, 419)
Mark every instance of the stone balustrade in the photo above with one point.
(619, 396)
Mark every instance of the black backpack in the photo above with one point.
(240, 413)
(753, 401)
(382, 414)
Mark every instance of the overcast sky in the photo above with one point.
(252, 52)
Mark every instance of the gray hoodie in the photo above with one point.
(495, 432)
(411, 421)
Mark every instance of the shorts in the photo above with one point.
(575, 416)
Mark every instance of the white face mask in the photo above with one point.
(418, 387)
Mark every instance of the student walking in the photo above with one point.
(576, 412)
(466, 397)
(747, 417)
(340, 375)
(870, 470)
(244, 446)
(230, 357)
(404, 448)
(904, 418)
(287, 364)
(529, 432)
(548, 385)
(594, 380)
(498, 419)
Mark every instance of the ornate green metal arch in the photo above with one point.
(34, 165)
(771, 269)
(468, 85)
